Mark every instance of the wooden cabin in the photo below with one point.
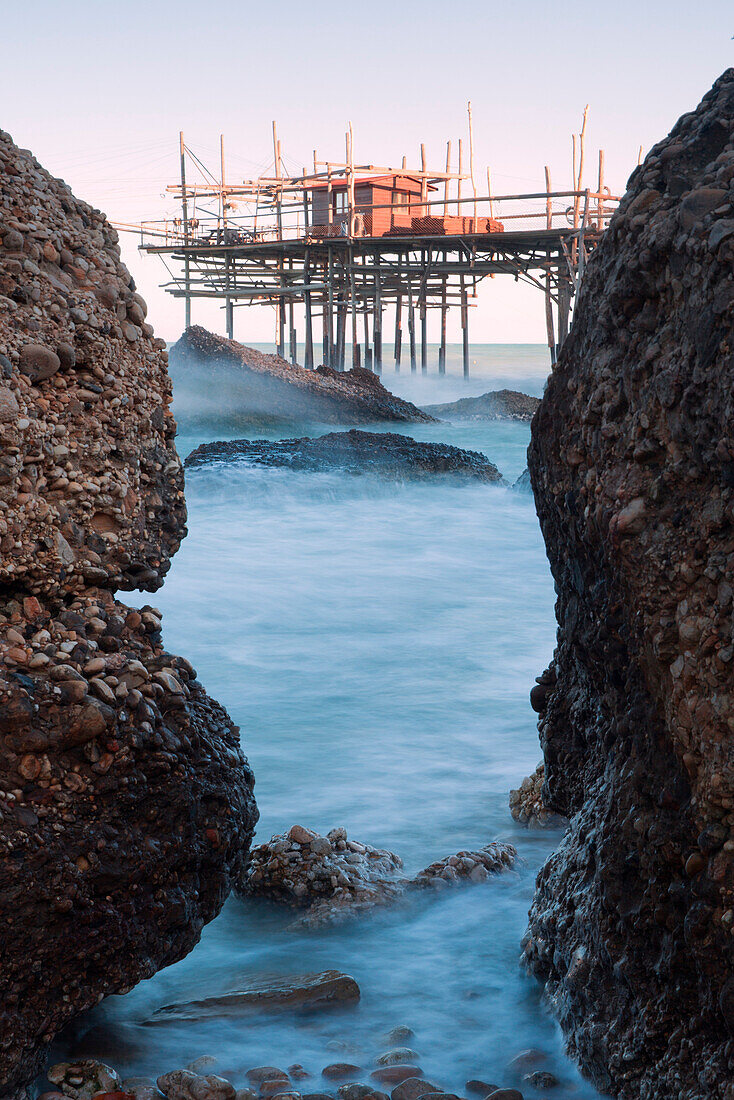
(384, 206)
(397, 198)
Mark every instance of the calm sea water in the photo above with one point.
(376, 643)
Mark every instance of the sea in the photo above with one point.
(376, 642)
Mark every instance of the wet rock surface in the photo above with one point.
(91, 487)
(309, 991)
(495, 405)
(527, 806)
(334, 879)
(126, 805)
(269, 388)
(632, 462)
(201, 1080)
(355, 452)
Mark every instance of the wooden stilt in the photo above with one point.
(411, 326)
(424, 336)
(377, 323)
(353, 302)
(330, 311)
(367, 348)
(308, 357)
(398, 332)
(464, 328)
(442, 346)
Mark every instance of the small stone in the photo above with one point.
(300, 835)
(339, 1070)
(397, 1056)
(506, 1094)
(296, 1072)
(541, 1079)
(264, 1073)
(394, 1075)
(38, 362)
(481, 1088)
(399, 1034)
(413, 1088)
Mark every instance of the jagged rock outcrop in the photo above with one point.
(263, 388)
(632, 463)
(126, 805)
(495, 405)
(91, 487)
(354, 452)
(334, 879)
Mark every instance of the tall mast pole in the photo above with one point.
(185, 213)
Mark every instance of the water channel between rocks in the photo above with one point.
(376, 643)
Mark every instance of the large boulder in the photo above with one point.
(632, 464)
(126, 807)
(91, 487)
(256, 387)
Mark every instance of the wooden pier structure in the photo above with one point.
(340, 248)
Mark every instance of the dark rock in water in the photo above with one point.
(308, 991)
(632, 462)
(495, 405)
(355, 452)
(523, 483)
(266, 388)
(126, 806)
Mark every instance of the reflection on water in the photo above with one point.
(376, 643)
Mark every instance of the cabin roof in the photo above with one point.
(396, 181)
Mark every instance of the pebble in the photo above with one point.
(394, 1075)
(339, 1070)
(541, 1079)
(397, 1056)
(413, 1088)
(399, 1034)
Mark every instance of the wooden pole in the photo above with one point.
(424, 182)
(411, 325)
(377, 322)
(308, 358)
(548, 204)
(330, 311)
(353, 302)
(464, 328)
(446, 184)
(350, 179)
(599, 190)
(579, 182)
(185, 218)
(489, 193)
(276, 158)
(305, 209)
(458, 182)
(367, 348)
(471, 165)
(330, 212)
(340, 317)
(442, 347)
(228, 310)
(398, 330)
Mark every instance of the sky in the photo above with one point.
(99, 91)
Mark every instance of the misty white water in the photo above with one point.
(376, 642)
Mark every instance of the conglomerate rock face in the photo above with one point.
(632, 463)
(91, 487)
(126, 807)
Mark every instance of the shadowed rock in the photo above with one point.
(354, 452)
(310, 991)
(126, 806)
(632, 463)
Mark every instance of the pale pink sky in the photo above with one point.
(99, 92)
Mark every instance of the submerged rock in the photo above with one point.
(523, 483)
(126, 805)
(495, 405)
(333, 878)
(355, 452)
(266, 388)
(632, 462)
(309, 991)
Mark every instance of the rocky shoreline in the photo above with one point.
(394, 1073)
(353, 452)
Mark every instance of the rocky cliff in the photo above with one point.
(126, 806)
(632, 465)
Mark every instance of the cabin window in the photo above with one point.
(340, 202)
